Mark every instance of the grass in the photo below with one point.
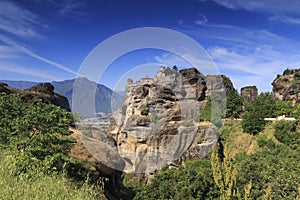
(37, 185)
(236, 140)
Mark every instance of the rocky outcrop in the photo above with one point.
(44, 91)
(249, 93)
(286, 87)
(218, 84)
(158, 124)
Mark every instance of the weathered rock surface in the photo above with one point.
(158, 124)
(286, 87)
(44, 91)
(249, 93)
(220, 84)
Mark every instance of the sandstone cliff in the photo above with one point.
(158, 123)
(44, 91)
(249, 93)
(218, 84)
(286, 87)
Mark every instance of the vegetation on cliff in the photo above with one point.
(35, 144)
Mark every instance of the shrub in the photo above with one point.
(286, 80)
(195, 181)
(144, 111)
(261, 107)
(285, 132)
(287, 72)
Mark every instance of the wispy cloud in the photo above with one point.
(34, 55)
(248, 55)
(285, 19)
(202, 20)
(257, 67)
(7, 52)
(8, 67)
(186, 59)
(263, 6)
(71, 8)
(17, 21)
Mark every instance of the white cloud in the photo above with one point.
(70, 8)
(34, 55)
(258, 67)
(187, 59)
(23, 70)
(285, 19)
(20, 22)
(203, 19)
(7, 52)
(17, 21)
(263, 6)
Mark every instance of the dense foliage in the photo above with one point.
(278, 167)
(194, 181)
(261, 107)
(234, 104)
(39, 132)
(35, 144)
(285, 132)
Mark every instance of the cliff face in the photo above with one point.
(158, 122)
(249, 93)
(44, 91)
(218, 83)
(286, 87)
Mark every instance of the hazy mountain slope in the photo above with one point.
(103, 95)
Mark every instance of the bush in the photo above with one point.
(261, 107)
(285, 132)
(195, 181)
(144, 111)
(286, 80)
(287, 72)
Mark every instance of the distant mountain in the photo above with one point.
(22, 85)
(44, 91)
(106, 101)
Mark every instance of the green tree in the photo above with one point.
(38, 131)
(285, 132)
(284, 108)
(194, 181)
(234, 104)
(175, 68)
(261, 107)
(277, 168)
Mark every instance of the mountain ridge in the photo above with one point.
(105, 98)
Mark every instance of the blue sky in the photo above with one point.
(249, 41)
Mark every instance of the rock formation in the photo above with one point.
(286, 87)
(158, 122)
(218, 83)
(44, 91)
(249, 93)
